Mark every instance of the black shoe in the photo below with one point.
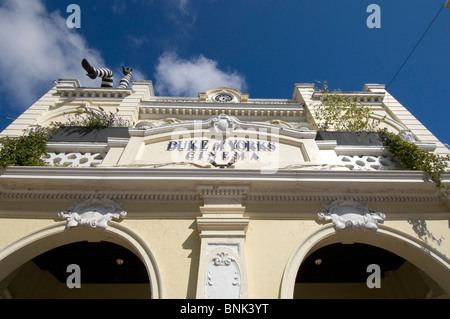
(126, 71)
(89, 69)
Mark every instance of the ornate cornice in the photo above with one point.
(247, 197)
(361, 97)
(129, 179)
(115, 196)
(324, 198)
(274, 203)
(195, 109)
(223, 190)
(85, 92)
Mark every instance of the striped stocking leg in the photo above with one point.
(123, 84)
(104, 73)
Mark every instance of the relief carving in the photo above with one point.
(94, 213)
(351, 215)
(223, 278)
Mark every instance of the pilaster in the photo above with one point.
(222, 226)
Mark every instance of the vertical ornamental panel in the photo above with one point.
(223, 278)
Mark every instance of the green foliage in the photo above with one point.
(25, 150)
(95, 119)
(338, 112)
(412, 157)
(343, 113)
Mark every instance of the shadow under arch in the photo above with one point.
(434, 264)
(15, 254)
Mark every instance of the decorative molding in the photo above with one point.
(213, 227)
(223, 95)
(361, 97)
(94, 213)
(82, 147)
(75, 179)
(118, 141)
(360, 150)
(321, 198)
(224, 124)
(222, 190)
(302, 126)
(233, 246)
(222, 259)
(206, 110)
(221, 122)
(161, 100)
(351, 215)
(408, 136)
(145, 124)
(115, 196)
(223, 278)
(71, 92)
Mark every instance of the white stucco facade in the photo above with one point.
(223, 196)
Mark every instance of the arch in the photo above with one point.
(424, 257)
(29, 246)
(390, 122)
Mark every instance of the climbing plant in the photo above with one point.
(338, 112)
(25, 150)
(410, 156)
(94, 119)
(342, 113)
(28, 149)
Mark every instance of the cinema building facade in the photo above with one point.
(220, 196)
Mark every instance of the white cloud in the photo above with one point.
(37, 48)
(179, 77)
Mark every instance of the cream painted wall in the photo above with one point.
(269, 246)
(175, 245)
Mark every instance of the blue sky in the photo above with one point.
(261, 47)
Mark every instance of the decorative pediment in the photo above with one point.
(223, 95)
(351, 215)
(94, 213)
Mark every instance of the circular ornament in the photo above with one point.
(223, 97)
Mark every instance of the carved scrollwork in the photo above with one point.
(94, 213)
(351, 215)
(223, 124)
(222, 259)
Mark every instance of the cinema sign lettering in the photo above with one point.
(222, 141)
(222, 151)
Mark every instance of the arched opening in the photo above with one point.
(103, 270)
(113, 263)
(398, 254)
(344, 271)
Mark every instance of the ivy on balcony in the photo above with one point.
(338, 112)
(28, 149)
